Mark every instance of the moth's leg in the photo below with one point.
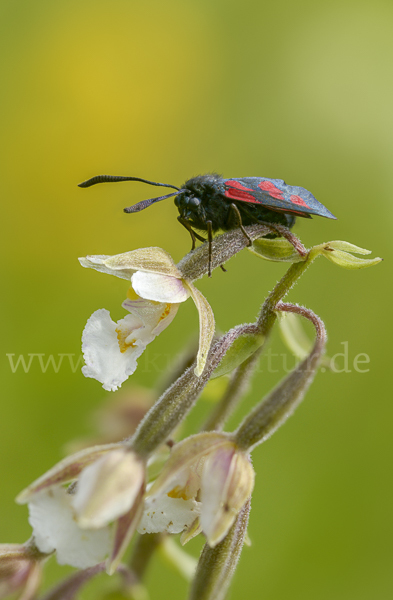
(193, 234)
(210, 240)
(281, 230)
(291, 237)
(238, 217)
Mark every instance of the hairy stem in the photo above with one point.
(241, 378)
(271, 413)
(217, 565)
(234, 393)
(196, 263)
(174, 404)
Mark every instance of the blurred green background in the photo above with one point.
(167, 90)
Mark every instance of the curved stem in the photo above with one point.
(235, 391)
(180, 397)
(273, 411)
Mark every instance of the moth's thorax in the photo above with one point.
(202, 200)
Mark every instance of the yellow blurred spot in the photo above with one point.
(165, 312)
(178, 492)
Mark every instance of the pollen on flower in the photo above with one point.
(179, 492)
(121, 338)
(165, 312)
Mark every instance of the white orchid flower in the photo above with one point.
(213, 468)
(111, 349)
(96, 517)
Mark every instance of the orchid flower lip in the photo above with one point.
(111, 350)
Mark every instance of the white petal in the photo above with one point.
(107, 488)
(163, 513)
(97, 263)
(100, 346)
(154, 315)
(160, 288)
(55, 528)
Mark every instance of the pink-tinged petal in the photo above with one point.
(54, 528)
(107, 489)
(20, 572)
(125, 528)
(183, 455)
(160, 288)
(109, 356)
(206, 327)
(66, 470)
(32, 583)
(227, 483)
(216, 476)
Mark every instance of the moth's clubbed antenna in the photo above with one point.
(145, 203)
(115, 178)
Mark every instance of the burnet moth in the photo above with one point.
(210, 203)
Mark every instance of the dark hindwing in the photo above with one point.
(276, 195)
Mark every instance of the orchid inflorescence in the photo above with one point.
(139, 479)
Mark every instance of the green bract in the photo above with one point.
(278, 250)
(240, 350)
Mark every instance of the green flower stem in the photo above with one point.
(217, 565)
(142, 552)
(267, 315)
(284, 399)
(174, 404)
(241, 377)
(235, 391)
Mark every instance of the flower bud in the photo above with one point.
(277, 250)
(242, 348)
(226, 481)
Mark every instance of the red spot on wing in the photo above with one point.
(299, 201)
(268, 186)
(238, 191)
(237, 185)
(240, 195)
